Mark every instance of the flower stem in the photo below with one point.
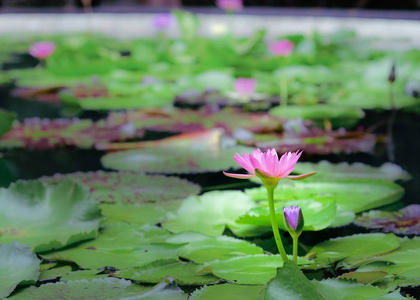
(283, 92)
(295, 248)
(280, 247)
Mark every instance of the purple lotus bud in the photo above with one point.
(391, 77)
(245, 86)
(163, 21)
(293, 220)
(230, 5)
(282, 48)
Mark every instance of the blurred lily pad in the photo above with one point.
(6, 121)
(405, 221)
(47, 218)
(126, 187)
(326, 170)
(18, 264)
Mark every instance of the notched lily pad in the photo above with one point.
(47, 218)
(326, 170)
(103, 288)
(405, 221)
(36, 133)
(18, 264)
(126, 187)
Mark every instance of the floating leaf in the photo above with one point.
(184, 273)
(351, 249)
(125, 187)
(333, 289)
(210, 213)
(318, 142)
(83, 274)
(54, 273)
(406, 271)
(193, 154)
(365, 277)
(45, 134)
(248, 269)
(47, 218)
(103, 288)
(229, 292)
(317, 215)
(339, 116)
(6, 121)
(121, 246)
(290, 283)
(18, 264)
(137, 214)
(221, 247)
(404, 221)
(354, 194)
(344, 170)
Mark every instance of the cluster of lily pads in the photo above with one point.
(171, 110)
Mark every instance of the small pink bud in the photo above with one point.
(42, 50)
(231, 5)
(281, 48)
(293, 219)
(245, 86)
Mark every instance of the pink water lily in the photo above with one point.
(282, 47)
(245, 86)
(268, 165)
(231, 5)
(42, 50)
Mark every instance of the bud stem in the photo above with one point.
(276, 232)
(295, 248)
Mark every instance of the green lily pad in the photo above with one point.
(339, 116)
(17, 264)
(184, 273)
(6, 121)
(317, 215)
(173, 161)
(47, 218)
(248, 269)
(290, 283)
(122, 246)
(364, 277)
(410, 271)
(354, 194)
(54, 273)
(229, 292)
(83, 275)
(221, 248)
(103, 288)
(137, 214)
(330, 171)
(210, 213)
(352, 249)
(126, 187)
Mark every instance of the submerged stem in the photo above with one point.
(276, 232)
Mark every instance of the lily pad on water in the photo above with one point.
(126, 187)
(36, 133)
(184, 273)
(121, 245)
(404, 221)
(179, 160)
(350, 250)
(47, 218)
(229, 292)
(353, 194)
(103, 288)
(210, 213)
(17, 264)
(338, 115)
(326, 170)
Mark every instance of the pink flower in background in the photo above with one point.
(268, 165)
(293, 219)
(42, 50)
(281, 48)
(231, 5)
(163, 21)
(245, 86)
